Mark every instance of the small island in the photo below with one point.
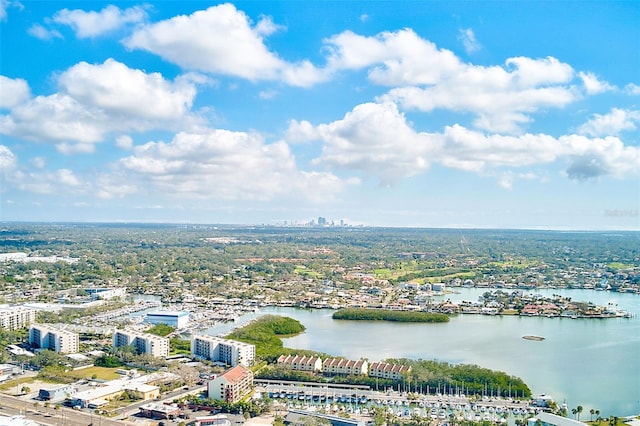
(534, 338)
(362, 314)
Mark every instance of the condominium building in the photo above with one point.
(231, 386)
(332, 366)
(300, 363)
(44, 336)
(16, 317)
(144, 343)
(385, 370)
(228, 351)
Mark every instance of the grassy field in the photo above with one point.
(22, 381)
(102, 373)
(304, 271)
(462, 275)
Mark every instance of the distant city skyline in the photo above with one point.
(518, 115)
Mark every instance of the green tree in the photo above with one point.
(579, 410)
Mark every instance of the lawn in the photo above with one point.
(102, 373)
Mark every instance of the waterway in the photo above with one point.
(590, 362)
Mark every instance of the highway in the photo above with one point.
(10, 406)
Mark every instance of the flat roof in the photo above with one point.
(168, 313)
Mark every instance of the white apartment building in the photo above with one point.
(44, 336)
(228, 351)
(16, 317)
(145, 343)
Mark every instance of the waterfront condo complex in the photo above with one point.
(227, 351)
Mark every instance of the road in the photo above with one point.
(11, 406)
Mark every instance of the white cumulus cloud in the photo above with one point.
(593, 85)
(95, 100)
(13, 91)
(376, 139)
(222, 40)
(223, 164)
(612, 123)
(92, 24)
(39, 31)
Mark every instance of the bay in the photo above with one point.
(590, 362)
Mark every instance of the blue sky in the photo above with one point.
(431, 114)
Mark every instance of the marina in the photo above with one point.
(337, 399)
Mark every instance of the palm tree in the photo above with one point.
(592, 412)
(574, 411)
(579, 410)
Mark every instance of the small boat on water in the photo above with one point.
(532, 337)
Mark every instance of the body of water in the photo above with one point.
(590, 362)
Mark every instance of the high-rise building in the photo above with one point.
(44, 336)
(143, 342)
(228, 351)
(16, 317)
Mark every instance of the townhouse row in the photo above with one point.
(340, 366)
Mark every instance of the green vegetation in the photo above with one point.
(95, 372)
(179, 346)
(265, 333)
(108, 361)
(253, 407)
(161, 330)
(359, 314)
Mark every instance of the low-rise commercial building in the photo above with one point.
(44, 336)
(106, 293)
(56, 392)
(548, 419)
(177, 319)
(228, 351)
(216, 420)
(7, 370)
(231, 386)
(156, 410)
(100, 395)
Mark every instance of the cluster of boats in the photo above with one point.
(436, 407)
